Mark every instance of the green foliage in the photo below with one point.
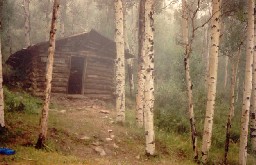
(20, 101)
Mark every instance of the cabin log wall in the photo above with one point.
(97, 78)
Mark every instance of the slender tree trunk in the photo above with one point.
(47, 18)
(2, 123)
(134, 27)
(130, 75)
(63, 18)
(237, 89)
(234, 68)
(127, 47)
(141, 67)
(120, 66)
(187, 53)
(226, 72)
(247, 85)
(253, 109)
(207, 56)
(212, 80)
(27, 22)
(149, 74)
(45, 110)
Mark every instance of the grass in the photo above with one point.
(30, 155)
(173, 145)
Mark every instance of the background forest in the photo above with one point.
(171, 110)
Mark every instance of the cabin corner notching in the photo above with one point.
(83, 64)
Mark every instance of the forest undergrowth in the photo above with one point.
(77, 126)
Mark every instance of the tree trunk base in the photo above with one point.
(40, 143)
(3, 130)
(150, 155)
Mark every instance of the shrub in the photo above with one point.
(20, 101)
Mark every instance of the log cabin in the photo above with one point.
(83, 64)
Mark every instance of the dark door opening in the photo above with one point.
(75, 84)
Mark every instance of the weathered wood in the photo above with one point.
(59, 89)
(98, 71)
(84, 74)
(96, 86)
(100, 77)
(42, 79)
(101, 69)
(99, 81)
(94, 91)
(54, 83)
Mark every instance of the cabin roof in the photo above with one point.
(92, 41)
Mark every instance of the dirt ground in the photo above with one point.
(86, 129)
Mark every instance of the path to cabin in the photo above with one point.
(85, 130)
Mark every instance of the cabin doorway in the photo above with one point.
(77, 69)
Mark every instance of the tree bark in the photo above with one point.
(141, 67)
(226, 72)
(129, 61)
(237, 89)
(149, 74)
(234, 68)
(207, 55)
(27, 26)
(212, 80)
(63, 18)
(187, 53)
(253, 109)
(45, 110)
(2, 122)
(247, 85)
(120, 66)
(47, 25)
(130, 75)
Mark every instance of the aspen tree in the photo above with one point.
(253, 109)
(120, 66)
(2, 122)
(141, 67)
(234, 70)
(212, 79)
(247, 84)
(187, 53)
(49, 70)
(27, 27)
(149, 75)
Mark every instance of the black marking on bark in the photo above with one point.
(252, 115)
(228, 127)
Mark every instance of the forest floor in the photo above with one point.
(84, 131)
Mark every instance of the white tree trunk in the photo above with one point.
(212, 79)
(247, 85)
(253, 109)
(149, 74)
(49, 69)
(27, 22)
(127, 47)
(207, 56)
(141, 67)
(120, 66)
(2, 123)
(187, 53)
